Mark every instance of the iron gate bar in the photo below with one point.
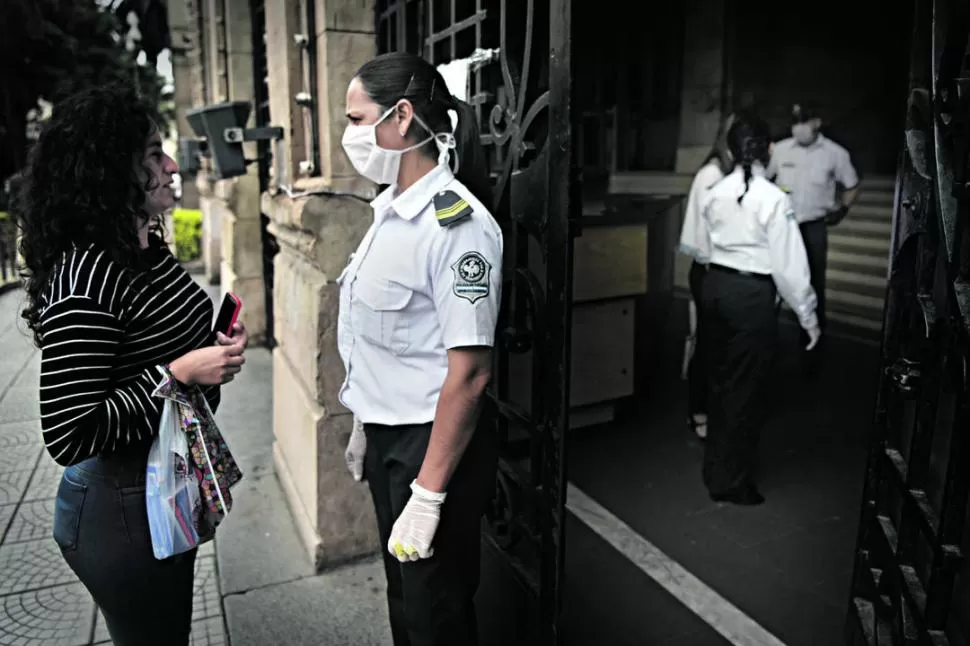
(907, 567)
(459, 26)
(532, 202)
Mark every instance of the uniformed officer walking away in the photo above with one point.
(755, 251)
(718, 163)
(418, 307)
(812, 168)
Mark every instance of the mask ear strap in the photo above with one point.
(446, 143)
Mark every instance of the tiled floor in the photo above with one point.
(41, 601)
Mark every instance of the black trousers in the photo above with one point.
(431, 601)
(816, 237)
(742, 335)
(697, 377)
(101, 527)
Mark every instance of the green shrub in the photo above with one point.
(188, 233)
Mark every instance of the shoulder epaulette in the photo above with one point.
(449, 207)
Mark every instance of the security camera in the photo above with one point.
(223, 128)
(190, 153)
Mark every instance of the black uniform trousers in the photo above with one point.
(742, 333)
(431, 601)
(697, 377)
(816, 238)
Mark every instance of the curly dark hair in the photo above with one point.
(80, 187)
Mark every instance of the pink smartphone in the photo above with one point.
(228, 314)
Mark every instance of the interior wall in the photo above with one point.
(627, 86)
(848, 58)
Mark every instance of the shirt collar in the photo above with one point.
(412, 201)
(819, 140)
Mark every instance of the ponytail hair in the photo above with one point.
(472, 163)
(388, 78)
(748, 139)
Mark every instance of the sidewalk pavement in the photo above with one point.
(255, 585)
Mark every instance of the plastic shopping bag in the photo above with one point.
(172, 488)
(690, 342)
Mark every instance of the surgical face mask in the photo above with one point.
(381, 165)
(803, 133)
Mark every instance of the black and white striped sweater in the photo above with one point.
(105, 331)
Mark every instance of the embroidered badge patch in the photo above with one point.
(472, 272)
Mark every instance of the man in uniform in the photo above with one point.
(812, 169)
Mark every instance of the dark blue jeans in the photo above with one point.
(101, 527)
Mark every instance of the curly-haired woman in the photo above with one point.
(113, 313)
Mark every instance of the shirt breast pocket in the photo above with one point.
(380, 315)
(819, 176)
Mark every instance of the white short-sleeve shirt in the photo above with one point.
(413, 290)
(810, 174)
(759, 235)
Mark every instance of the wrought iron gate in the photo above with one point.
(520, 89)
(264, 154)
(911, 583)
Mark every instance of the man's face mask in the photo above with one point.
(381, 165)
(804, 133)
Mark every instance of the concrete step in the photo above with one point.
(869, 264)
(843, 240)
(879, 183)
(866, 323)
(881, 198)
(870, 211)
(881, 229)
(864, 305)
(863, 281)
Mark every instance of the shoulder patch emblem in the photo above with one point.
(449, 207)
(472, 272)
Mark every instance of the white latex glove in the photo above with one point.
(414, 529)
(356, 449)
(814, 334)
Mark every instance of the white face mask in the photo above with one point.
(381, 165)
(803, 133)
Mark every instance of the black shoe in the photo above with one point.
(748, 497)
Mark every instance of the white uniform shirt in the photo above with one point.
(692, 230)
(759, 236)
(810, 174)
(413, 290)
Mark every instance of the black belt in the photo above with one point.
(738, 272)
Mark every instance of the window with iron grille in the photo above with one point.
(308, 97)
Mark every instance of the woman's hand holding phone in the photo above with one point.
(239, 336)
(211, 366)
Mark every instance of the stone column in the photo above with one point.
(316, 234)
(703, 82)
(242, 249)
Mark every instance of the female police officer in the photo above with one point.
(717, 164)
(418, 307)
(753, 246)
